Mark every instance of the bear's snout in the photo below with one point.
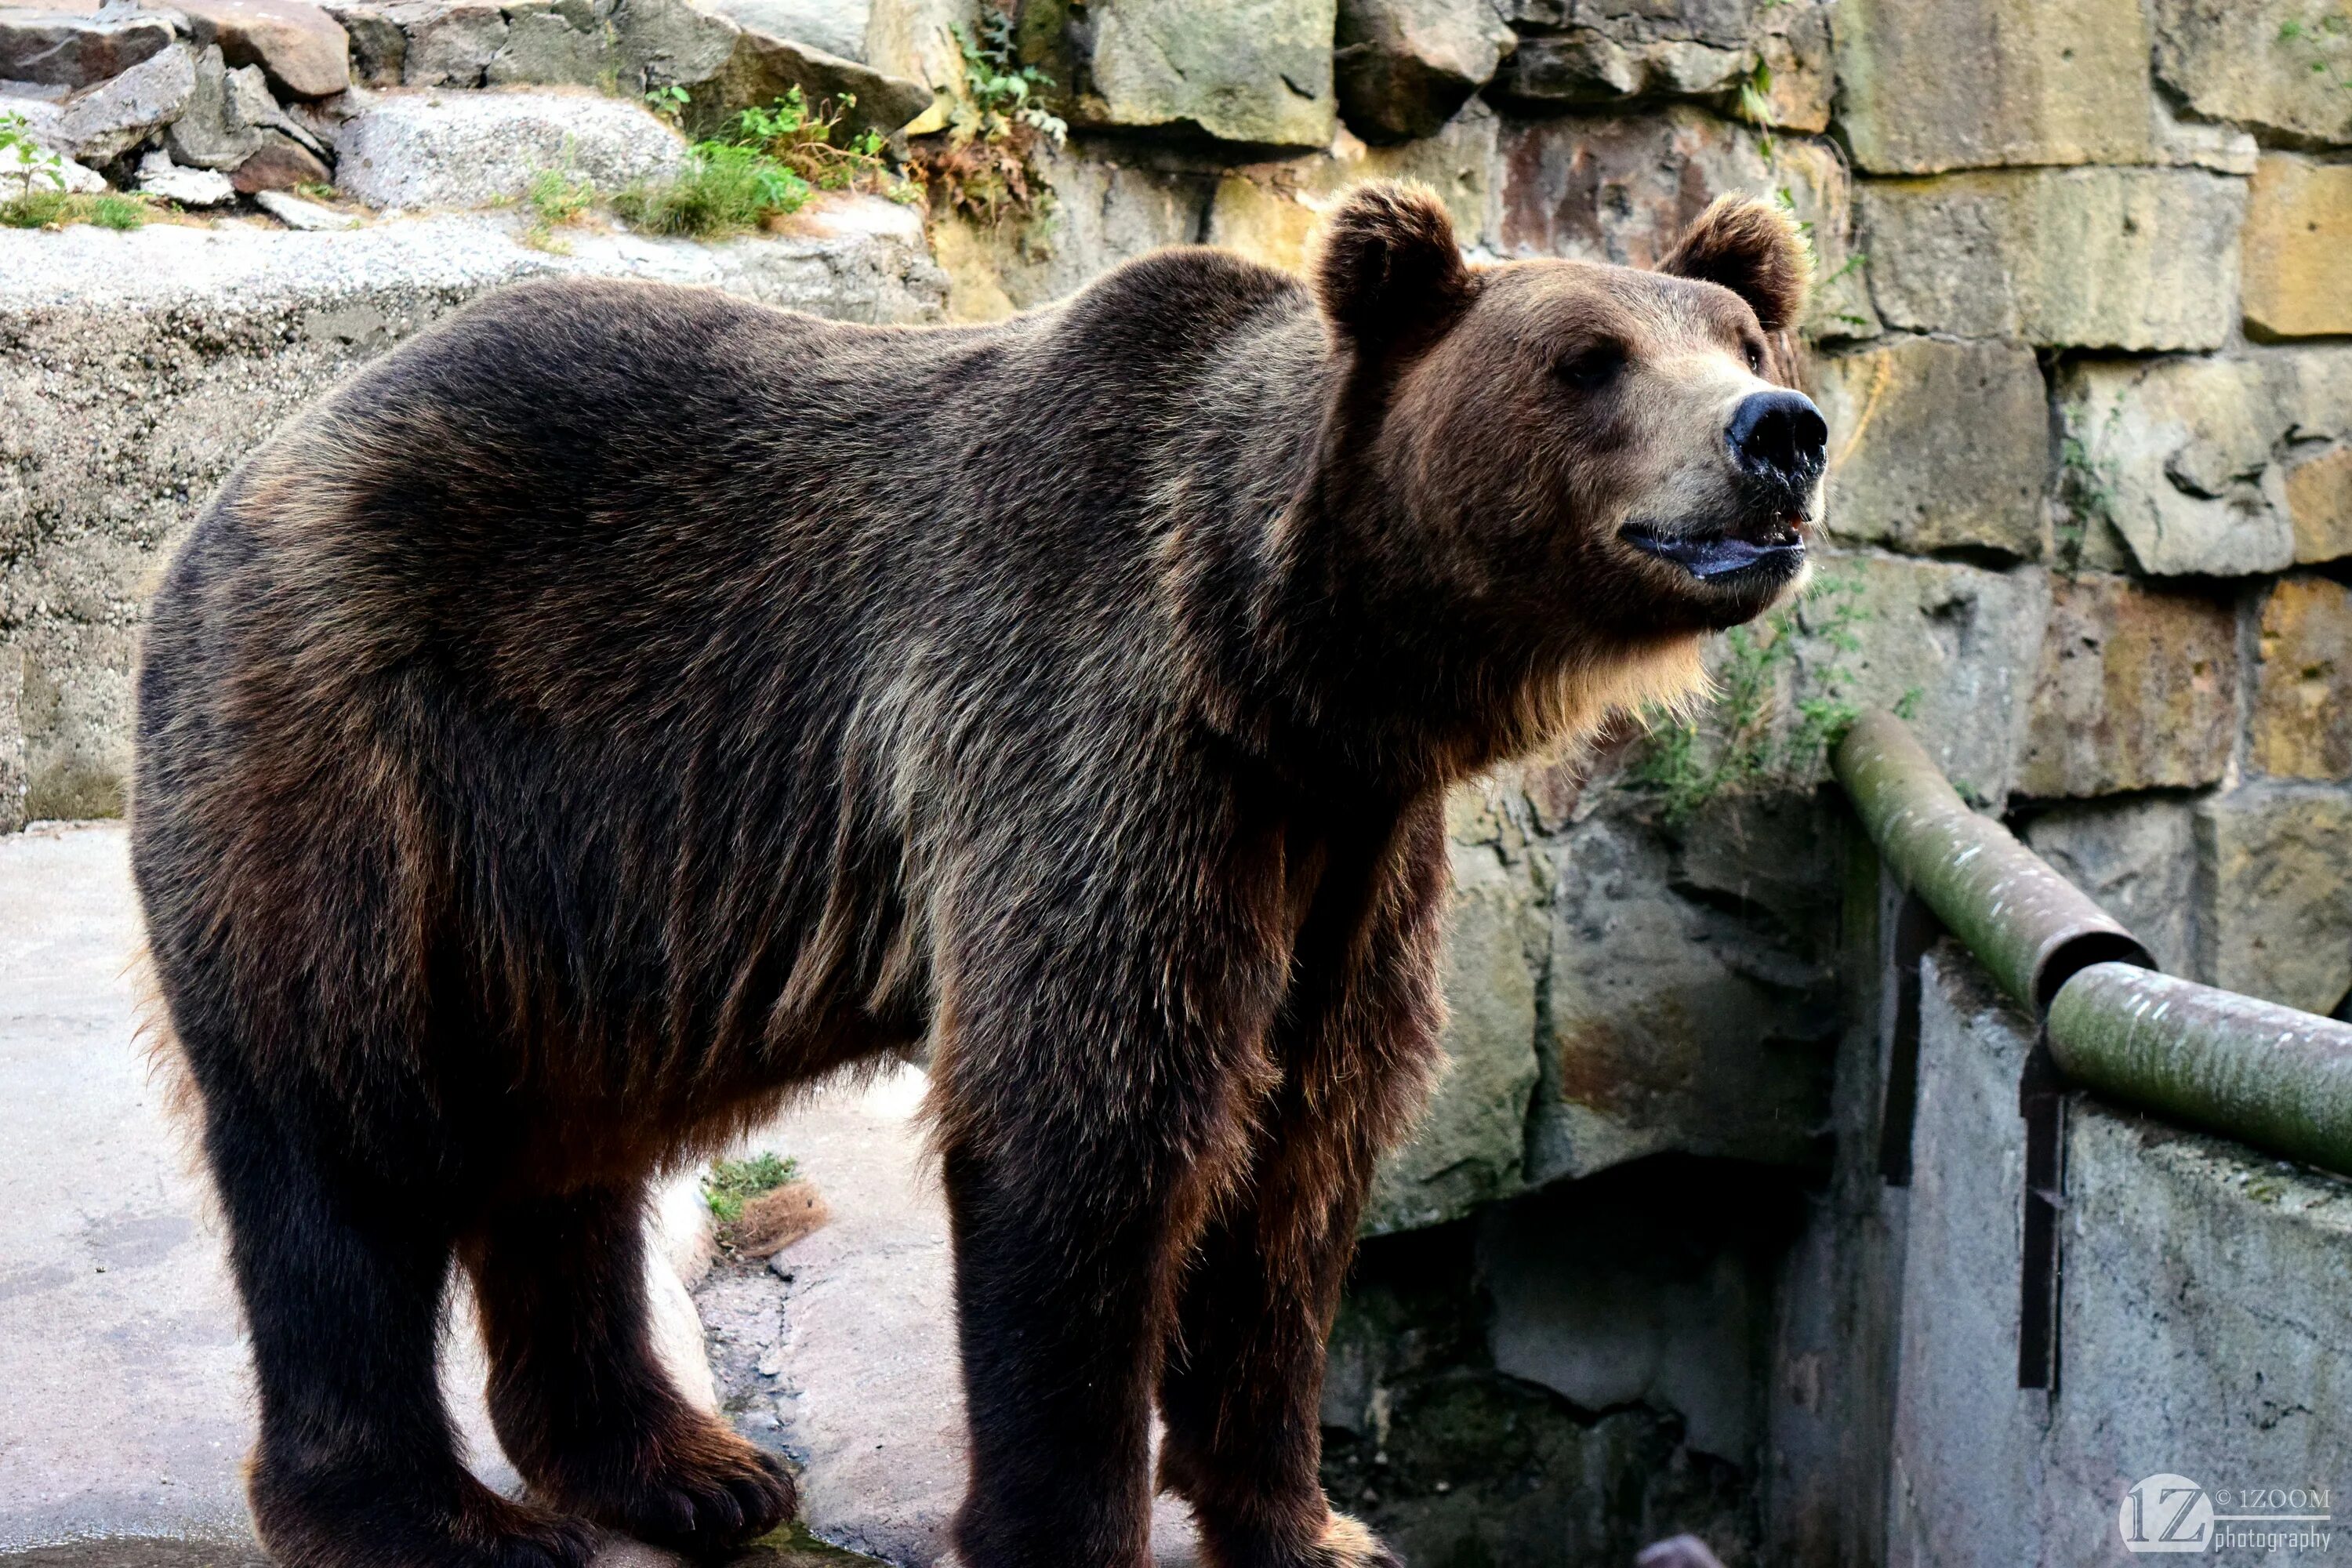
(1780, 438)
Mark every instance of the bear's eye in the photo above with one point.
(1755, 359)
(1590, 369)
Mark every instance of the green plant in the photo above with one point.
(2088, 489)
(767, 163)
(722, 189)
(557, 199)
(668, 102)
(62, 209)
(730, 1183)
(1749, 735)
(984, 162)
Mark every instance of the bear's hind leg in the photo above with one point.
(582, 1405)
(356, 1466)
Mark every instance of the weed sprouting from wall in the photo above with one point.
(982, 159)
(1756, 733)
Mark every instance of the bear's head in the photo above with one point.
(1601, 459)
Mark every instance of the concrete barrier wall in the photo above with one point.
(2204, 1329)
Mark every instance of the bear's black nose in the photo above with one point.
(1779, 435)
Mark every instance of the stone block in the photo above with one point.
(551, 42)
(215, 130)
(2302, 722)
(2136, 859)
(2275, 907)
(379, 48)
(2214, 466)
(916, 40)
(1470, 1145)
(1935, 445)
(2136, 690)
(1993, 82)
(2318, 489)
(472, 150)
(1954, 647)
(60, 48)
(1769, 62)
(101, 123)
(302, 49)
(1253, 71)
(449, 45)
(1621, 189)
(1404, 68)
(2127, 259)
(2276, 64)
(2297, 261)
(1669, 1024)
(280, 164)
(836, 27)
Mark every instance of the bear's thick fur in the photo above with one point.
(624, 704)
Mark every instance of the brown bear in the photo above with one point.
(624, 704)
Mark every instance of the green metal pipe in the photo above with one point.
(2265, 1075)
(2027, 925)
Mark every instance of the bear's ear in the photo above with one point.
(1753, 248)
(1388, 269)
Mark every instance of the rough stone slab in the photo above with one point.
(2136, 690)
(2250, 62)
(100, 123)
(129, 1408)
(218, 128)
(1935, 445)
(1405, 66)
(447, 45)
(2275, 919)
(1595, 52)
(2215, 466)
(1622, 189)
(1255, 71)
(1955, 86)
(2298, 248)
(137, 369)
(301, 49)
(2136, 859)
(279, 164)
(159, 176)
(62, 48)
(1469, 1146)
(379, 48)
(841, 1355)
(836, 27)
(1955, 645)
(416, 150)
(2127, 259)
(2318, 488)
(1669, 1024)
(2302, 722)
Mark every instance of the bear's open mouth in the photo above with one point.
(1714, 552)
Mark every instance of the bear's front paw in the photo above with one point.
(1347, 1542)
(696, 1492)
